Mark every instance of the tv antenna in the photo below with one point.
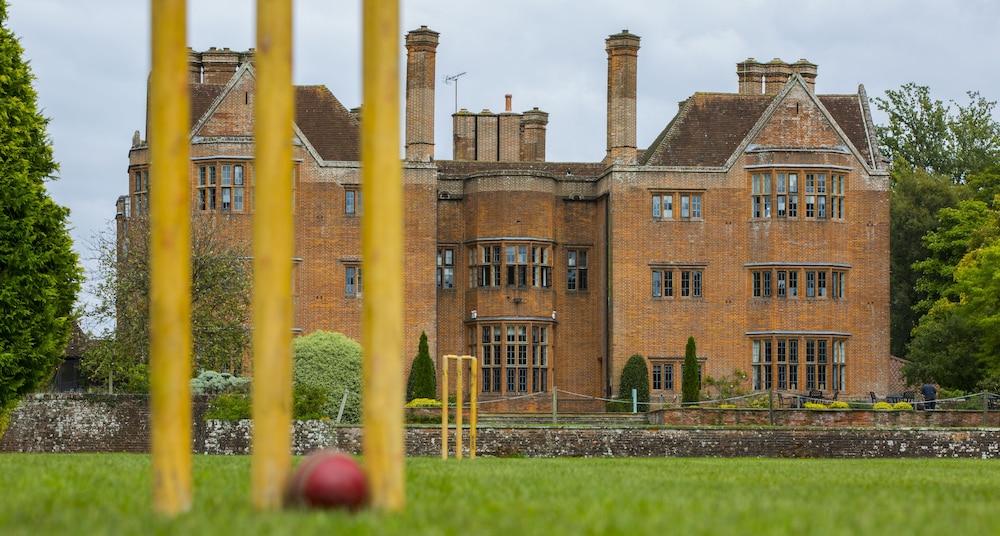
(453, 79)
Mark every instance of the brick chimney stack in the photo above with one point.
(776, 75)
(623, 52)
(510, 132)
(421, 53)
(807, 71)
(533, 123)
(751, 76)
(219, 65)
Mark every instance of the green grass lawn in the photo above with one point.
(109, 494)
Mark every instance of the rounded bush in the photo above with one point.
(902, 406)
(882, 406)
(839, 404)
(209, 382)
(635, 375)
(814, 405)
(330, 362)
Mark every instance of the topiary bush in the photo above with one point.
(814, 405)
(839, 404)
(882, 406)
(330, 362)
(902, 406)
(635, 375)
(690, 388)
(422, 382)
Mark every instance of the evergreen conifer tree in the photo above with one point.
(39, 272)
(690, 386)
(422, 382)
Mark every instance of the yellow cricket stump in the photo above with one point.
(382, 257)
(459, 404)
(170, 261)
(273, 247)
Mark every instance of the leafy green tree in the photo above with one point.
(945, 349)
(985, 185)
(422, 382)
(690, 386)
(959, 231)
(221, 279)
(949, 139)
(39, 273)
(635, 375)
(978, 278)
(915, 200)
(330, 362)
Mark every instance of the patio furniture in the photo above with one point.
(993, 402)
(873, 397)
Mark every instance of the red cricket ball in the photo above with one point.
(329, 479)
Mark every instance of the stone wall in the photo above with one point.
(224, 437)
(86, 423)
(826, 418)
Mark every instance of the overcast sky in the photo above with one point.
(91, 59)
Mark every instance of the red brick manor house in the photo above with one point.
(756, 222)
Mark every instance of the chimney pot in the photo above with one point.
(507, 104)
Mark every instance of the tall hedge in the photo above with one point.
(330, 362)
(39, 272)
(422, 382)
(690, 388)
(635, 375)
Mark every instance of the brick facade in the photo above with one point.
(499, 195)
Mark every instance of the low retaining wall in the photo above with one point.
(229, 437)
(76, 422)
(119, 423)
(853, 418)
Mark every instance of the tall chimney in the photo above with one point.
(623, 52)
(421, 52)
(776, 76)
(751, 77)
(533, 124)
(807, 71)
(510, 133)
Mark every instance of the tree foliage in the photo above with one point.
(949, 139)
(422, 382)
(330, 362)
(39, 272)
(915, 200)
(690, 386)
(957, 342)
(221, 279)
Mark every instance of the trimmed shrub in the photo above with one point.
(423, 403)
(727, 406)
(902, 406)
(331, 363)
(882, 406)
(690, 390)
(422, 382)
(635, 375)
(209, 382)
(839, 404)
(229, 407)
(814, 405)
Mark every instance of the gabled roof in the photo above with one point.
(330, 128)
(202, 97)
(706, 130)
(710, 127)
(326, 124)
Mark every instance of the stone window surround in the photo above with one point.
(832, 282)
(835, 372)
(677, 268)
(800, 170)
(677, 361)
(675, 194)
(474, 329)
